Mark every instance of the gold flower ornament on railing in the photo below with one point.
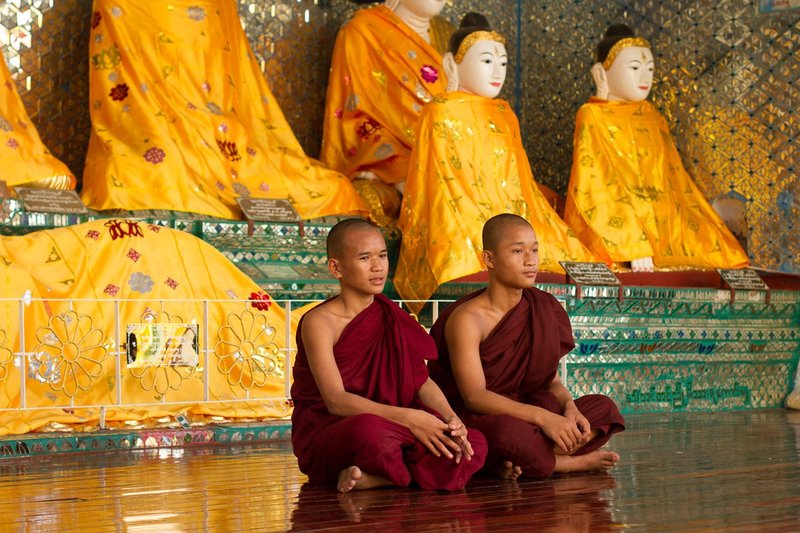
(246, 351)
(70, 353)
(6, 356)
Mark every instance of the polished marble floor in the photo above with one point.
(733, 471)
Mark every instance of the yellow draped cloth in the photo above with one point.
(26, 161)
(468, 166)
(629, 196)
(139, 273)
(183, 119)
(381, 75)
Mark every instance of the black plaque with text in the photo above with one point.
(51, 201)
(742, 279)
(589, 273)
(268, 210)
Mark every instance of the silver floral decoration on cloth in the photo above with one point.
(196, 13)
(246, 351)
(163, 377)
(141, 282)
(70, 353)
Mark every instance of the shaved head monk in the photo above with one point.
(366, 414)
(499, 352)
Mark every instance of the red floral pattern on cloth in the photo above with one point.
(155, 228)
(96, 18)
(260, 300)
(429, 73)
(12, 143)
(229, 150)
(111, 290)
(171, 283)
(92, 234)
(133, 255)
(119, 92)
(154, 155)
(120, 228)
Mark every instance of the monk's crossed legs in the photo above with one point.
(379, 447)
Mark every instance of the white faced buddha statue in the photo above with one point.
(629, 199)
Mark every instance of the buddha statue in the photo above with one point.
(26, 160)
(629, 198)
(183, 118)
(467, 166)
(386, 65)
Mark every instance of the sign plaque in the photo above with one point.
(51, 201)
(743, 279)
(154, 344)
(268, 210)
(595, 274)
(589, 273)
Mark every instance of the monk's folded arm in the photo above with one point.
(432, 396)
(561, 393)
(462, 333)
(318, 339)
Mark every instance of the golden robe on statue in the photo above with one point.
(183, 119)
(381, 75)
(629, 196)
(141, 273)
(468, 166)
(26, 161)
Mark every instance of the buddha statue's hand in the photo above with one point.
(644, 264)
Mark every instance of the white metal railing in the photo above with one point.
(34, 358)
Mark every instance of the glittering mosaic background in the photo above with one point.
(726, 79)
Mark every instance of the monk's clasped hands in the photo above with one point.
(458, 432)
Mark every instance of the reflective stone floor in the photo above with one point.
(732, 471)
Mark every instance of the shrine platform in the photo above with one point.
(664, 342)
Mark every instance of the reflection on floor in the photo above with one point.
(734, 471)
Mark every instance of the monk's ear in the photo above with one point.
(488, 259)
(333, 268)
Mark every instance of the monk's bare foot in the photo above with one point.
(596, 460)
(352, 478)
(507, 470)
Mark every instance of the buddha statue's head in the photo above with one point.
(476, 59)
(423, 9)
(624, 67)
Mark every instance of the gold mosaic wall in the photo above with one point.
(727, 80)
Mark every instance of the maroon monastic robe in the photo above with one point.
(381, 356)
(520, 359)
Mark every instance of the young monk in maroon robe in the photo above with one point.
(499, 351)
(366, 414)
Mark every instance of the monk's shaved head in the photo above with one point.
(496, 228)
(338, 236)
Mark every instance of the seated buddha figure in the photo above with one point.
(26, 161)
(183, 118)
(386, 65)
(467, 166)
(629, 198)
